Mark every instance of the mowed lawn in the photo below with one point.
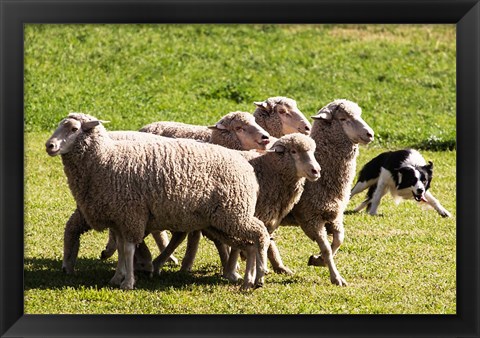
(403, 76)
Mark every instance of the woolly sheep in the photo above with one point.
(76, 226)
(337, 129)
(134, 187)
(280, 116)
(281, 174)
(236, 130)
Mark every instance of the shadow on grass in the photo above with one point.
(45, 273)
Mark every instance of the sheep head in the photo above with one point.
(286, 111)
(301, 149)
(68, 130)
(243, 127)
(348, 115)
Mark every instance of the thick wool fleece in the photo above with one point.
(162, 184)
(268, 117)
(178, 130)
(76, 225)
(327, 198)
(280, 186)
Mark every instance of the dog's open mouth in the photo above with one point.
(419, 198)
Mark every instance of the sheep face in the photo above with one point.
(300, 149)
(68, 130)
(285, 109)
(347, 115)
(243, 127)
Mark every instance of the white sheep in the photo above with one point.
(280, 116)
(281, 173)
(337, 129)
(76, 226)
(236, 130)
(134, 187)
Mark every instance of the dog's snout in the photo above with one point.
(419, 191)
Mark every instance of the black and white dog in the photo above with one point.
(404, 173)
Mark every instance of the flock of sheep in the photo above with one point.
(234, 182)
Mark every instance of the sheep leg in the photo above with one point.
(177, 239)
(222, 248)
(326, 255)
(337, 230)
(193, 240)
(75, 227)
(276, 260)
(229, 271)
(224, 253)
(143, 259)
(120, 271)
(261, 263)
(249, 279)
(111, 246)
(161, 238)
(128, 253)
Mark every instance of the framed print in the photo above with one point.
(411, 69)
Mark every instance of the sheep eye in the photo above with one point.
(74, 129)
(238, 128)
(343, 119)
(293, 152)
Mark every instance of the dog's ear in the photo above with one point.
(429, 168)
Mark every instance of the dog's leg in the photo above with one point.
(436, 205)
(377, 196)
(361, 186)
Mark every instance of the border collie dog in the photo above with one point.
(404, 173)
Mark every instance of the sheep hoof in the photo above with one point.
(284, 270)
(116, 280)
(68, 270)
(339, 280)
(259, 283)
(106, 254)
(232, 277)
(246, 286)
(186, 269)
(316, 261)
(127, 285)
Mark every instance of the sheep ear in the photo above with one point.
(219, 126)
(323, 114)
(263, 104)
(86, 126)
(277, 148)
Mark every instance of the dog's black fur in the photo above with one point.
(404, 173)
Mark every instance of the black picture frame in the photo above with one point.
(15, 13)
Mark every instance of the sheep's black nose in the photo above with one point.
(265, 137)
(369, 135)
(307, 128)
(314, 171)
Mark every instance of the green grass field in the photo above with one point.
(403, 76)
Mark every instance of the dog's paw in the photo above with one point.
(444, 213)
